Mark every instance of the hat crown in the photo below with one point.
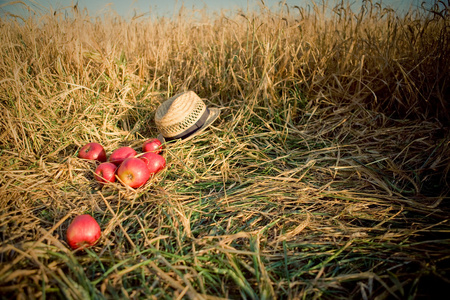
(179, 113)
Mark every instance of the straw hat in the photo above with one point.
(183, 116)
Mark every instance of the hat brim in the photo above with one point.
(213, 115)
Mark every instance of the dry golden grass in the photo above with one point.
(326, 176)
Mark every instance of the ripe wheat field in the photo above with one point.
(326, 175)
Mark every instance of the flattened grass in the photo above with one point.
(325, 176)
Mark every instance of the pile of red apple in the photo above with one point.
(131, 168)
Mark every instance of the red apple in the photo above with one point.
(84, 231)
(105, 172)
(120, 154)
(93, 151)
(154, 162)
(133, 172)
(152, 145)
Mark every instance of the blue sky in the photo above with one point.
(126, 8)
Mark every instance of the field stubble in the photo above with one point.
(326, 175)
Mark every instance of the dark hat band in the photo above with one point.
(191, 130)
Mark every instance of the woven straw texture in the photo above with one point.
(179, 113)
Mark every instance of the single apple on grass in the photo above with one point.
(152, 145)
(93, 151)
(120, 154)
(105, 172)
(154, 162)
(84, 231)
(133, 172)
